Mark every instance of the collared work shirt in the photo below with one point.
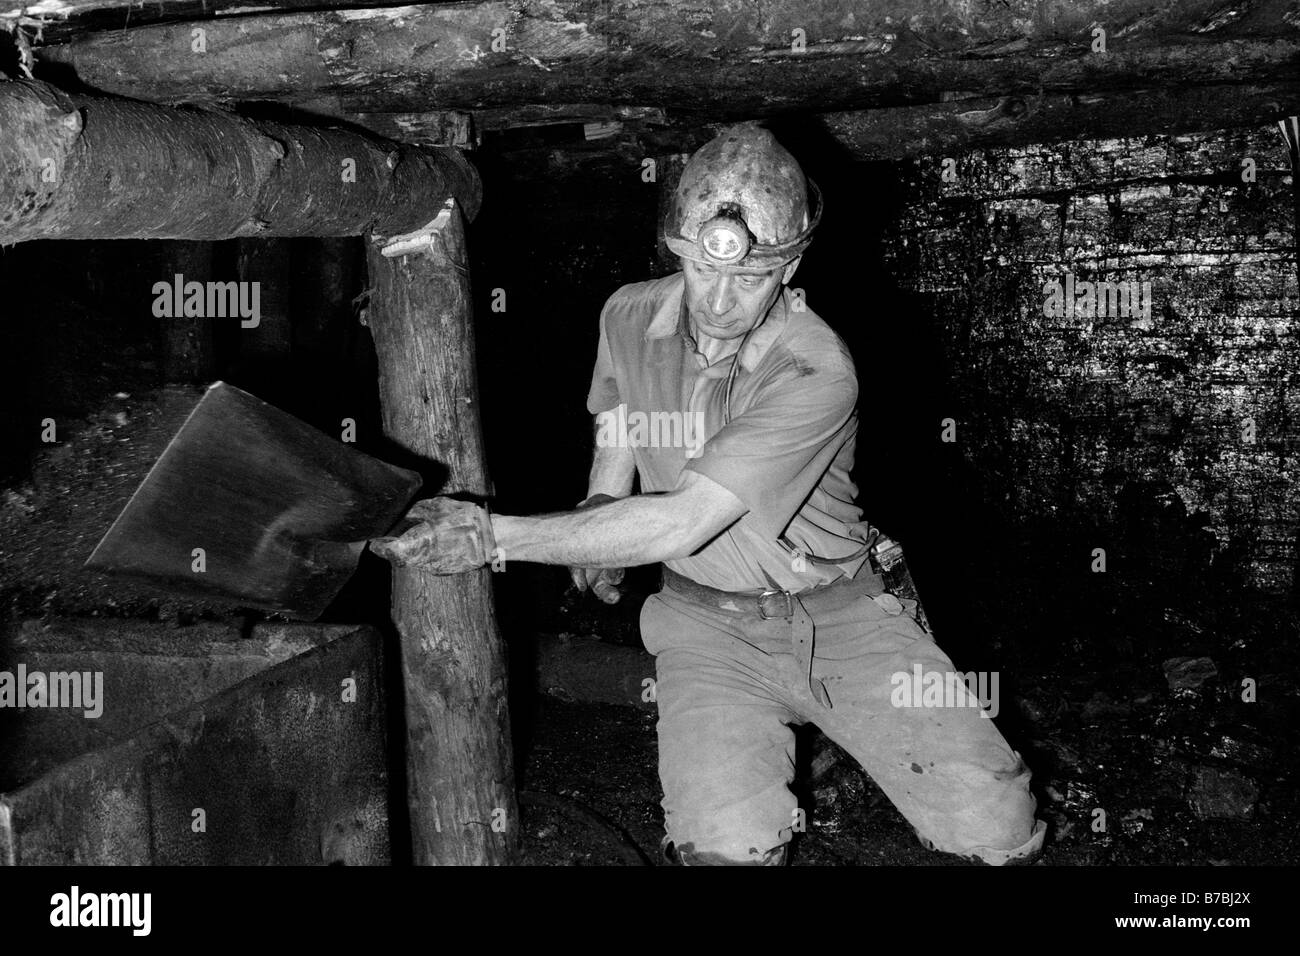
(786, 453)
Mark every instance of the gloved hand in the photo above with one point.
(602, 581)
(451, 537)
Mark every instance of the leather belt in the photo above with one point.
(773, 603)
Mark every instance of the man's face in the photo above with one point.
(725, 304)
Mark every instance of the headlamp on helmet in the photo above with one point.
(725, 239)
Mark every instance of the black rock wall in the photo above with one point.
(1169, 436)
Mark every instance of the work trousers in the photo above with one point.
(730, 688)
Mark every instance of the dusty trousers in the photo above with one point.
(729, 690)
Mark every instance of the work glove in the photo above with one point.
(450, 537)
(603, 582)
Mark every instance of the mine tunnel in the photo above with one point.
(1058, 244)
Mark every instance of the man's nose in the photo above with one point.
(720, 296)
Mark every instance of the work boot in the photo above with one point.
(1023, 855)
(671, 856)
(668, 853)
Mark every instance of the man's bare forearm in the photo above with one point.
(642, 529)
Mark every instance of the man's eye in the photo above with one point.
(751, 282)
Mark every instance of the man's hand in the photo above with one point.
(603, 582)
(451, 537)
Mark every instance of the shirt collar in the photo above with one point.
(669, 319)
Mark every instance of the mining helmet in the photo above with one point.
(742, 202)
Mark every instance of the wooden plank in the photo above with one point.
(960, 125)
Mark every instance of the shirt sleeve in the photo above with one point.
(603, 394)
(774, 453)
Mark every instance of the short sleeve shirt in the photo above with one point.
(786, 452)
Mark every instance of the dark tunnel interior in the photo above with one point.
(1000, 525)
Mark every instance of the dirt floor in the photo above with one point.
(600, 759)
(1126, 700)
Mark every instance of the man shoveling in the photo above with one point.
(770, 614)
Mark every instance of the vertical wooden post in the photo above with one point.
(459, 763)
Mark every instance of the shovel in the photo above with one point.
(251, 505)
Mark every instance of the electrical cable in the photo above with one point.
(626, 847)
(784, 541)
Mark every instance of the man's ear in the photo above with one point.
(790, 266)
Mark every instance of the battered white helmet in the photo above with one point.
(742, 202)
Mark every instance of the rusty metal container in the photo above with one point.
(212, 747)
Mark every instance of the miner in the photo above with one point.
(771, 614)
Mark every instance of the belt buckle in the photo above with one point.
(762, 605)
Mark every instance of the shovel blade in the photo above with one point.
(250, 505)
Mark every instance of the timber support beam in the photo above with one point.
(98, 168)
